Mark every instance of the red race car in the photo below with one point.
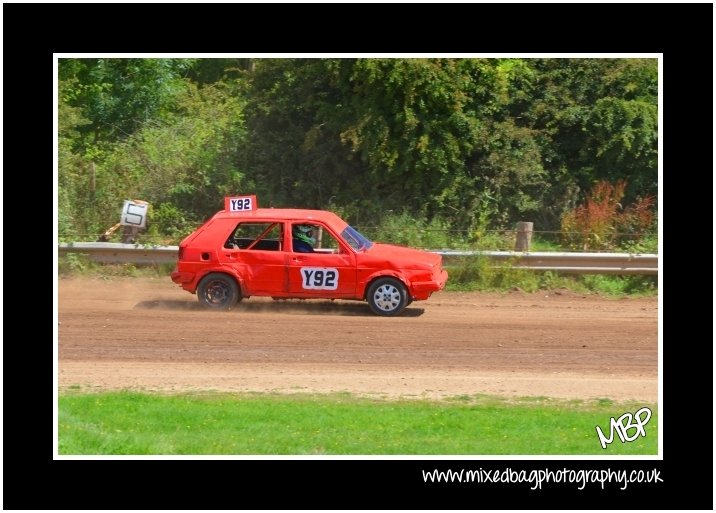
(245, 251)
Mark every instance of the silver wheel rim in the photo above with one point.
(387, 298)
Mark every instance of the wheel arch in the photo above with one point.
(383, 274)
(224, 270)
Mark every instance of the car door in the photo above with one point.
(327, 272)
(256, 252)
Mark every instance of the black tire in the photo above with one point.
(218, 291)
(387, 296)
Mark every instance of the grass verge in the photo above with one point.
(73, 264)
(142, 424)
(479, 274)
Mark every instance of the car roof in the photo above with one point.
(286, 214)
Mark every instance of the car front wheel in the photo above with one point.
(387, 296)
(218, 291)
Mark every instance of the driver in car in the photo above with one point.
(303, 240)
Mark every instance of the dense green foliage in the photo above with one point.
(460, 144)
(135, 423)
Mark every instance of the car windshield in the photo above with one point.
(355, 239)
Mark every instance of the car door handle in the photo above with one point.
(298, 259)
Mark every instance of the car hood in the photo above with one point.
(403, 257)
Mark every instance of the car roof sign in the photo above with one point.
(240, 203)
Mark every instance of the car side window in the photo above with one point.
(256, 236)
(314, 238)
(326, 242)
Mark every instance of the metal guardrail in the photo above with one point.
(571, 263)
(117, 253)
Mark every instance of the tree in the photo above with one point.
(597, 120)
(118, 96)
(464, 143)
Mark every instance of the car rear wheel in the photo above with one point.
(387, 296)
(218, 291)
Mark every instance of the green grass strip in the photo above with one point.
(339, 424)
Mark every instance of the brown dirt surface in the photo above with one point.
(148, 334)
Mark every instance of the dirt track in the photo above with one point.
(147, 334)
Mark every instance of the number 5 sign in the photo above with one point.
(134, 213)
(240, 203)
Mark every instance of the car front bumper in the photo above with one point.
(423, 289)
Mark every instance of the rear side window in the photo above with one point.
(256, 236)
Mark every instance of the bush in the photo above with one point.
(168, 220)
(621, 285)
(72, 263)
(437, 233)
(601, 223)
(479, 273)
(408, 230)
(647, 244)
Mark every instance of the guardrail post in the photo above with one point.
(129, 234)
(524, 236)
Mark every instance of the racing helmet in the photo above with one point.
(303, 232)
